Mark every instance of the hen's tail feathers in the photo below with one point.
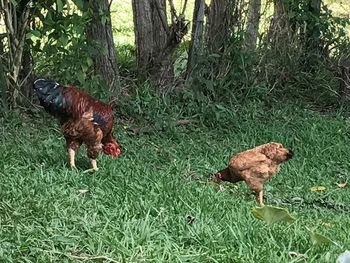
(51, 97)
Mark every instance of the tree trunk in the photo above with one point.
(312, 27)
(160, 24)
(156, 41)
(197, 34)
(100, 36)
(16, 18)
(220, 21)
(3, 85)
(151, 27)
(26, 73)
(143, 34)
(345, 81)
(3, 81)
(253, 21)
(280, 32)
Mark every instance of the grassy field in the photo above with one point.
(135, 206)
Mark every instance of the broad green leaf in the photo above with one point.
(33, 35)
(89, 61)
(81, 77)
(104, 19)
(271, 214)
(63, 40)
(220, 107)
(319, 239)
(59, 5)
(36, 33)
(79, 4)
(84, 67)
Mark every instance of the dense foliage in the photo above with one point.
(282, 63)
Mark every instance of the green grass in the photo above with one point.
(136, 205)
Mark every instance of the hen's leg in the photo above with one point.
(260, 198)
(72, 147)
(257, 186)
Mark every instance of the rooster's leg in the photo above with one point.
(72, 147)
(93, 151)
(94, 164)
(93, 148)
(71, 153)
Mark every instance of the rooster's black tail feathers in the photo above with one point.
(51, 97)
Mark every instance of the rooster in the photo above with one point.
(83, 119)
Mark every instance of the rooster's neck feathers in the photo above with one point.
(69, 102)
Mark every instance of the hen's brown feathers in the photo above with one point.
(255, 166)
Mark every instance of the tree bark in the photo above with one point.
(160, 24)
(197, 34)
(151, 28)
(345, 81)
(26, 73)
(16, 18)
(280, 31)
(253, 22)
(100, 36)
(3, 85)
(156, 41)
(3, 81)
(312, 27)
(220, 21)
(143, 14)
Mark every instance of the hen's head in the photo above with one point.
(112, 149)
(221, 175)
(277, 152)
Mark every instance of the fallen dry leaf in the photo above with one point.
(342, 185)
(183, 122)
(189, 219)
(298, 255)
(83, 191)
(317, 189)
(193, 176)
(326, 224)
